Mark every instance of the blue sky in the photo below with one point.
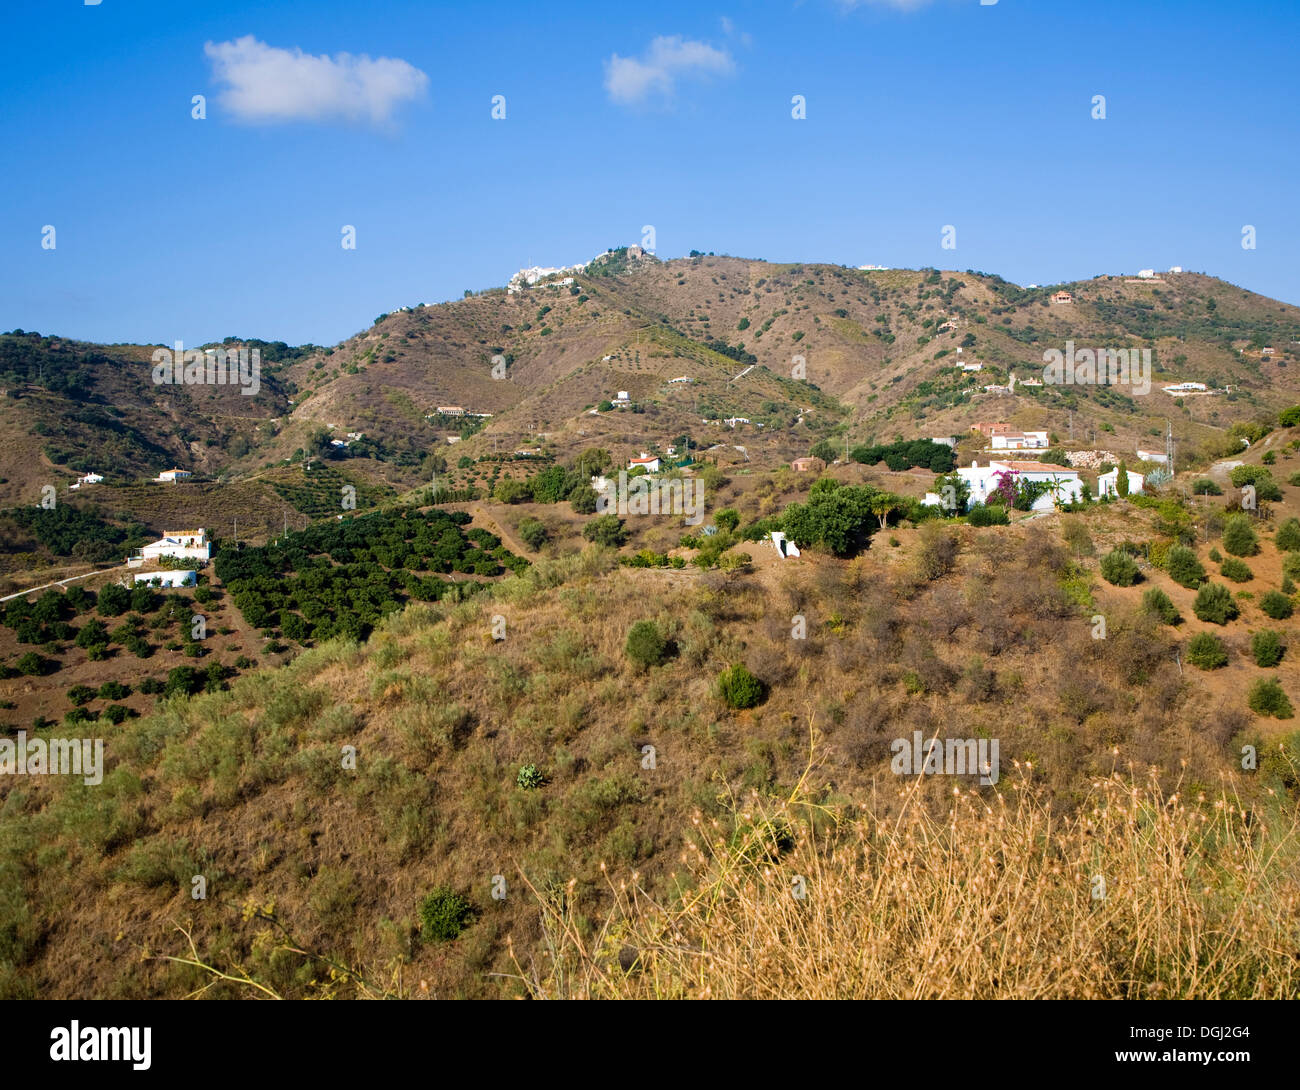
(919, 115)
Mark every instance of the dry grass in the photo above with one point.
(993, 899)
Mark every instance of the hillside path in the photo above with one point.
(509, 540)
(62, 582)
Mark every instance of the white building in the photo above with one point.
(1157, 456)
(171, 578)
(1146, 274)
(622, 399)
(1019, 440)
(1175, 268)
(648, 462)
(182, 544)
(1107, 482)
(1065, 485)
(784, 545)
(173, 475)
(89, 478)
(1185, 388)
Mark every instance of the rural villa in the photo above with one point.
(178, 544)
(1018, 440)
(1064, 485)
(89, 478)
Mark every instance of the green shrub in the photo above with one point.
(1206, 487)
(1206, 651)
(605, 530)
(444, 914)
(1267, 698)
(1236, 570)
(981, 515)
(1288, 535)
(739, 688)
(117, 713)
(1214, 604)
(114, 690)
(1239, 536)
(31, 665)
(1215, 555)
(1277, 606)
(646, 645)
(1119, 568)
(81, 694)
(1157, 602)
(529, 778)
(1267, 647)
(533, 533)
(1183, 567)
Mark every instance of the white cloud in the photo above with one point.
(656, 72)
(267, 84)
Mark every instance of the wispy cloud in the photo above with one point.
(266, 84)
(730, 30)
(655, 73)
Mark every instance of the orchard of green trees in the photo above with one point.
(340, 578)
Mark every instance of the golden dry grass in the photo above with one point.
(992, 899)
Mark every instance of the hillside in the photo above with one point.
(877, 350)
(450, 728)
(955, 631)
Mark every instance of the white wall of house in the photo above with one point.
(172, 578)
(1107, 482)
(1067, 487)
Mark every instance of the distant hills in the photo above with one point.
(825, 351)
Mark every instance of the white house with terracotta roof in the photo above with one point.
(1065, 485)
(648, 462)
(173, 475)
(181, 544)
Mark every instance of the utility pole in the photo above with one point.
(1071, 425)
